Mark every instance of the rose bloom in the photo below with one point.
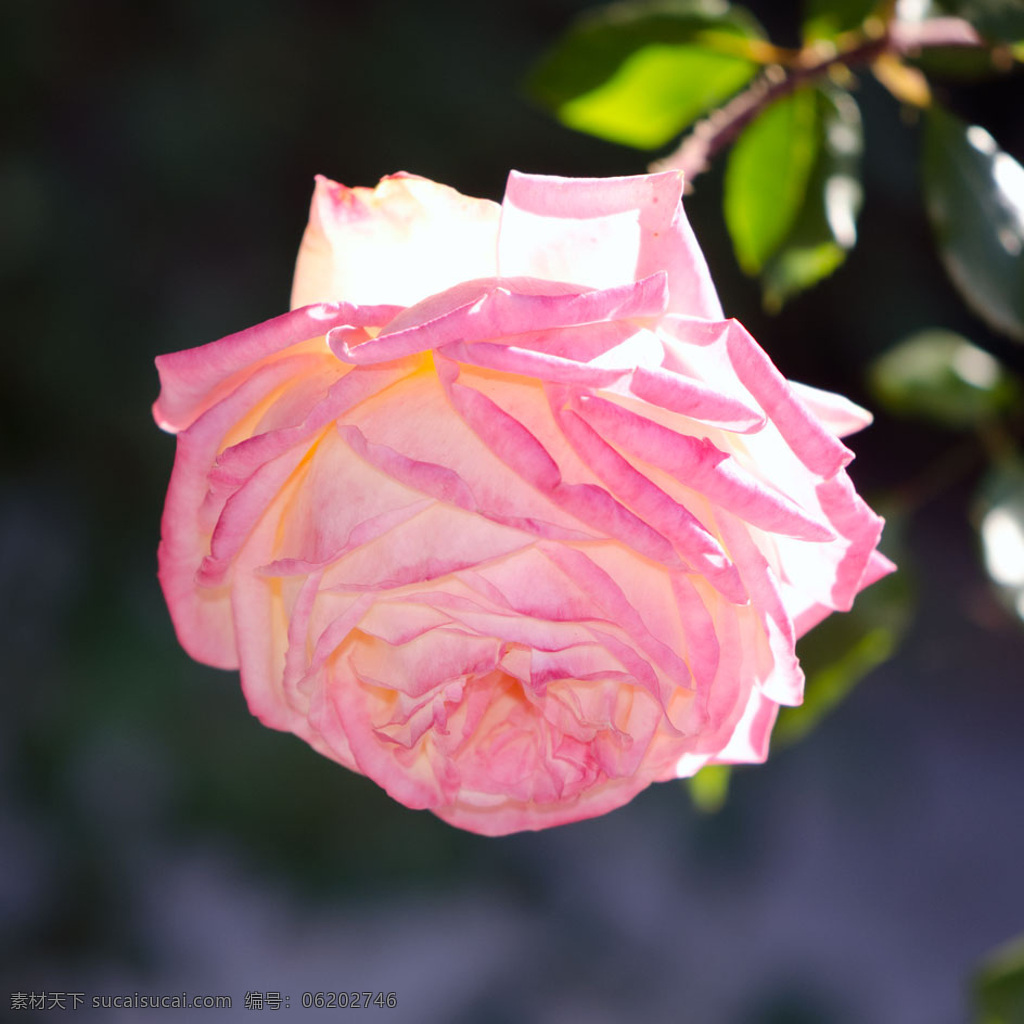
(504, 514)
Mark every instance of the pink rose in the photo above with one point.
(504, 514)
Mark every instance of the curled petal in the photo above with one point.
(493, 310)
(195, 379)
(701, 467)
(836, 412)
(815, 446)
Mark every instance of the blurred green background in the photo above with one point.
(155, 175)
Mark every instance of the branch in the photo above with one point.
(716, 131)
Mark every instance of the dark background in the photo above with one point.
(155, 176)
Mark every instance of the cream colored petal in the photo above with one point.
(397, 243)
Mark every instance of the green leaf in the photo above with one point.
(826, 226)
(939, 376)
(1000, 502)
(999, 986)
(709, 787)
(958, 63)
(639, 73)
(826, 19)
(975, 198)
(839, 652)
(1001, 20)
(767, 174)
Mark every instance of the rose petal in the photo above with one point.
(839, 414)
(605, 231)
(195, 379)
(397, 243)
(490, 310)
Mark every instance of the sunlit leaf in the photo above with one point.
(994, 19)
(839, 652)
(639, 73)
(767, 175)
(826, 226)
(999, 986)
(1001, 528)
(825, 19)
(710, 787)
(940, 376)
(975, 198)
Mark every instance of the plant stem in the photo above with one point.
(716, 131)
(937, 477)
(994, 442)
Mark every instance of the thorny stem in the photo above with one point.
(898, 38)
